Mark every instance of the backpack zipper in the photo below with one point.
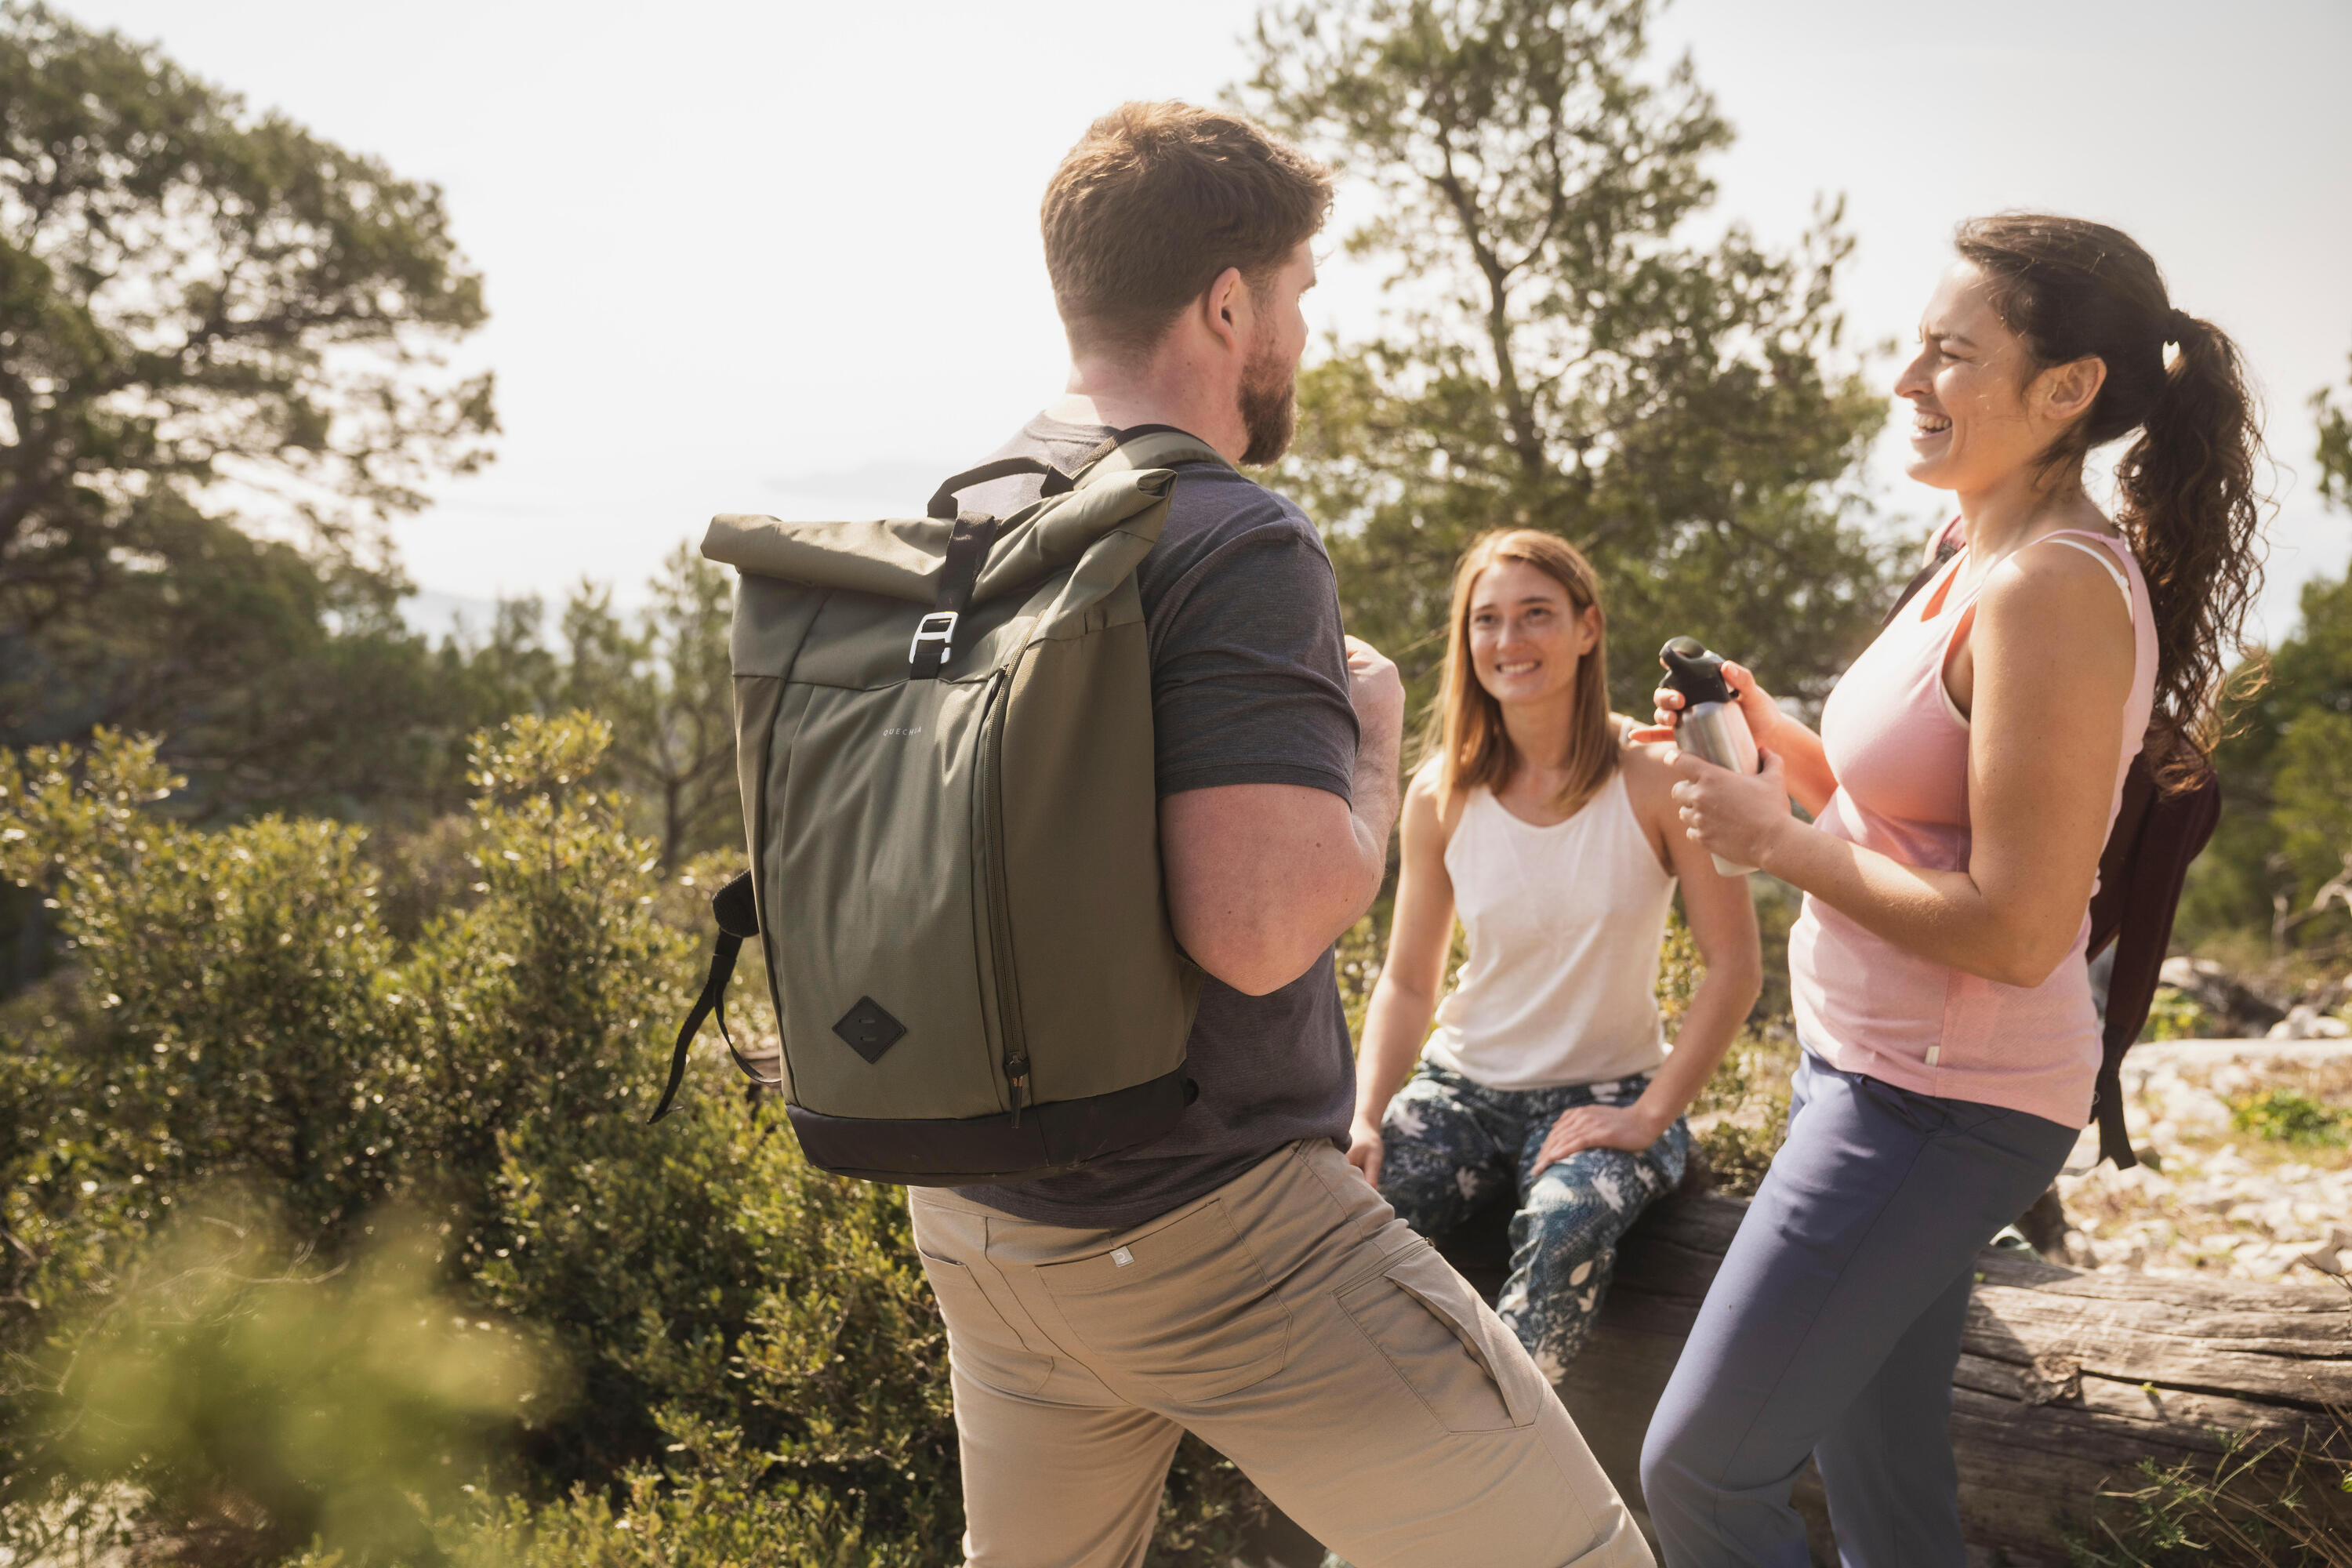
(999, 906)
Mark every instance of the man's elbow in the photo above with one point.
(1255, 963)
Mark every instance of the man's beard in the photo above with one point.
(1269, 406)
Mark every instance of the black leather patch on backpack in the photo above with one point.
(868, 1030)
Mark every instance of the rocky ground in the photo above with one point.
(2231, 1185)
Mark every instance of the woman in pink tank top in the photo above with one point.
(1968, 768)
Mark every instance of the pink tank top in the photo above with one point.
(1899, 749)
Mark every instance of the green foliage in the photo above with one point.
(221, 363)
(2288, 1116)
(1559, 355)
(238, 1013)
(717, 1515)
(730, 1358)
(2260, 1502)
(2311, 796)
(1680, 970)
(257, 1399)
(2247, 879)
(704, 1275)
(2334, 448)
(2174, 1015)
(194, 292)
(668, 687)
(1742, 1113)
(2277, 860)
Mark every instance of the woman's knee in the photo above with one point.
(1583, 1210)
(1669, 1480)
(1684, 1445)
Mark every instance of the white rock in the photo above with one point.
(2306, 1022)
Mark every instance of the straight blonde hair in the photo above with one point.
(1467, 737)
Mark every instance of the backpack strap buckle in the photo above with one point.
(934, 643)
(939, 627)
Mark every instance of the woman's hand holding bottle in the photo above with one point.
(1763, 714)
(1736, 816)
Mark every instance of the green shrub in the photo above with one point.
(2174, 1015)
(259, 1402)
(1742, 1113)
(2289, 1116)
(722, 1510)
(755, 1369)
(702, 1272)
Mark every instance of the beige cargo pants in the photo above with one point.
(1301, 1329)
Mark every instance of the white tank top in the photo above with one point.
(1564, 926)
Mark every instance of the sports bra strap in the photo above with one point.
(2074, 538)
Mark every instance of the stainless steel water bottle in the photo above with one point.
(1711, 724)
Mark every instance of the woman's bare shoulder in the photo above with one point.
(1645, 762)
(1650, 782)
(1424, 799)
(2051, 589)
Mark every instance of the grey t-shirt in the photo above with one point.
(1249, 685)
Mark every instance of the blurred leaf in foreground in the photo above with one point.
(266, 1403)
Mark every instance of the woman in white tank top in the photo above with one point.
(1548, 1078)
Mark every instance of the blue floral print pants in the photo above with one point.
(1451, 1146)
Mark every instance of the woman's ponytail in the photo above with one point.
(2186, 489)
(2188, 499)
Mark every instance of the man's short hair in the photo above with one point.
(1156, 201)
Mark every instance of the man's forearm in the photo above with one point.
(1375, 798)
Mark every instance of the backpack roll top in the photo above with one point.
(944, 744)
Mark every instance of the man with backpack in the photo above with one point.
(1235, 1276)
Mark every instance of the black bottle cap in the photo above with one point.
(1694, 672)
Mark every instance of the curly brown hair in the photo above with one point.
(2186, 489)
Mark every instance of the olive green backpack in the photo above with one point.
(943, 737)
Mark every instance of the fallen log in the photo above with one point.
(2066, 1381)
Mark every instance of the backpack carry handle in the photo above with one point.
(944, 506)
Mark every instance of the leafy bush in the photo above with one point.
(331, 1234)
(2174, 1015)
(261, 1403)
(2289, 1116)
(1742, 1113)
(703, 1276)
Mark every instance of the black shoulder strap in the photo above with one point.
(967, 553)
(1147, 447)
(934, 642)
(1140, 446)
(737, 912)
(1945, 551)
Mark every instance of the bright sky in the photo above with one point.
(784, 258)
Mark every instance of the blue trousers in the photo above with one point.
(1449, 1145)
(1833, 1327)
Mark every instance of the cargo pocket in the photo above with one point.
(981, 1345)
(1185, 1308)
(1421, 1317)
